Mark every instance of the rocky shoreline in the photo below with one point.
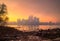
(8, 33)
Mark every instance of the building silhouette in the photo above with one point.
(30, 21)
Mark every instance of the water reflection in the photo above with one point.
(28, 28)
(28, 37)
(34, 27)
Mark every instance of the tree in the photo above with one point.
(3, 15)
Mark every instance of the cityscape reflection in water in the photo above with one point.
(34, 28)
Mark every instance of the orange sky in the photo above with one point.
(19, 9)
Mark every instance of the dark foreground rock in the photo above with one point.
(9, 33)
(50, 33)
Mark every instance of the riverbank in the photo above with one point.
(9, 33)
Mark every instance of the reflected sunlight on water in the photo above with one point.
(34, 28)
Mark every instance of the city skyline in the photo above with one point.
(32, 20)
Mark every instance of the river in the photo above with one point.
(28, 28)
(34, 28)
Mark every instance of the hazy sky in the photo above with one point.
(45, 10)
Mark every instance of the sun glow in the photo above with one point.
(16, 11)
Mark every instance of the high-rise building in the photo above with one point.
(36, 21)
(30, 20)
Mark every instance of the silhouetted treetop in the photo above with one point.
(3, 14)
